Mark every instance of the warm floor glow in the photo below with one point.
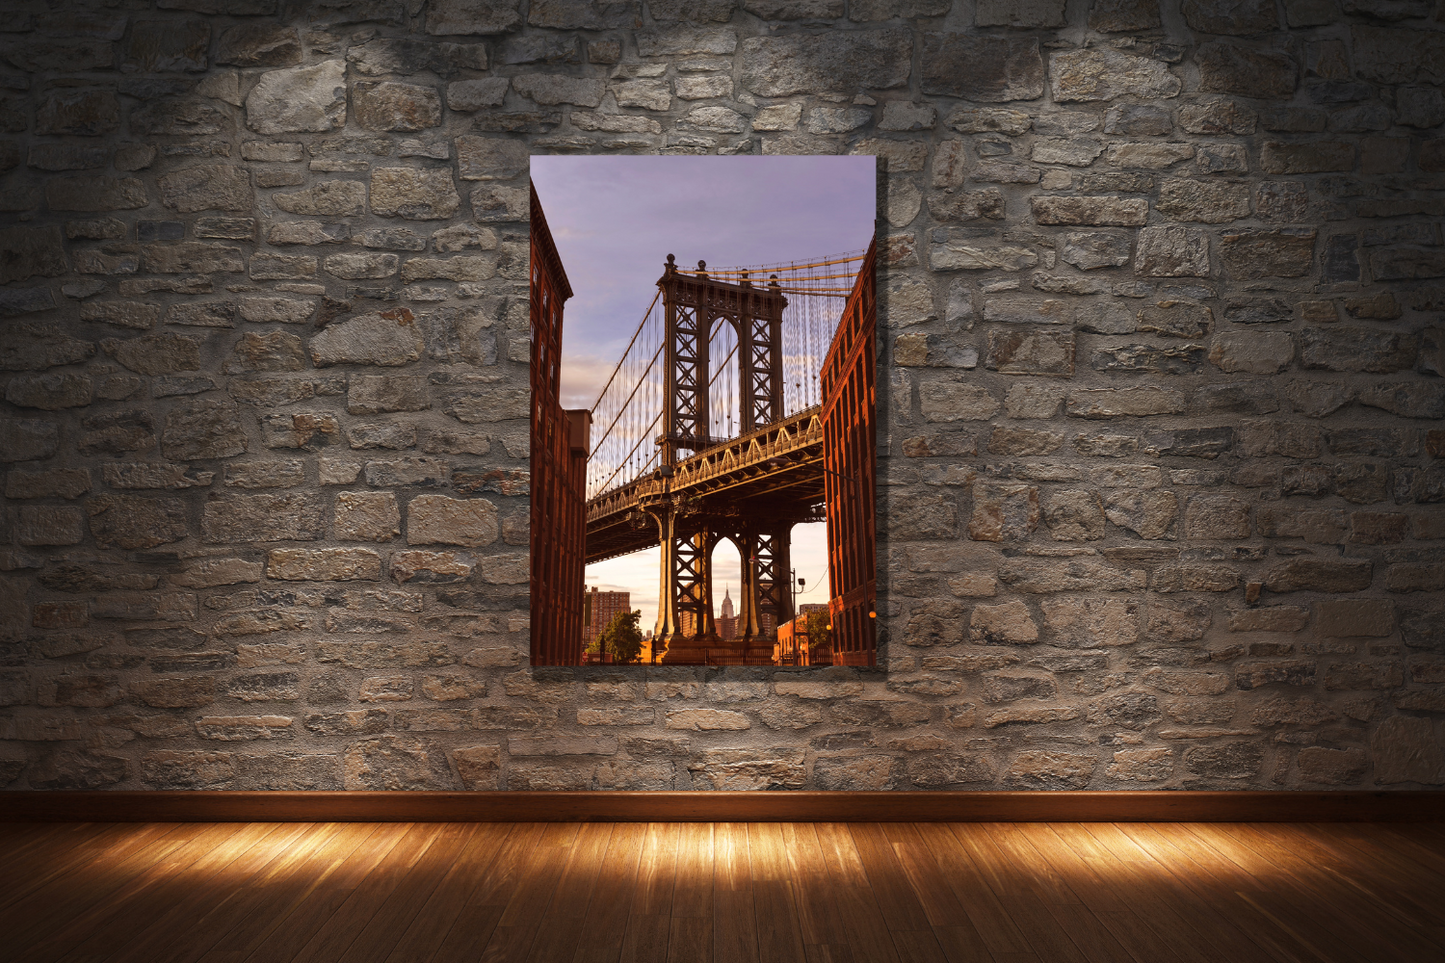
(1132, 892)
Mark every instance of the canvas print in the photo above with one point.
(703, 394)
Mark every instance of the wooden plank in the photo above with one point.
(819, 920)
(1085, 806)
(45, 863)
(656, 872)
(690, 940)
(67, 896)
(295, 897)
(429, 929)
(1230, 890)
(1210, 884)
(1026, 903)
(1364, 923)
(918, 946)
(1150, 891)
(200, 917)
(337, 936)
(1415, 896)
(118, 921)
(865, 931)
(985, 911)
(892, 890)
(645, 940)
(734, 923)
(610, 907)
(693, 879)
(394, 910)
(780, 937)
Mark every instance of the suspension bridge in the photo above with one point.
(711, 428)
(741, 406)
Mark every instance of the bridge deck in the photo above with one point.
(773, 472)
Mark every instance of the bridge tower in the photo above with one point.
(695, 306)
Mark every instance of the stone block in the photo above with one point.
(1311, 574)
(1089, 211)
(293, 516)
(338, 198)
(298, 99)
(258, 45)
(1339, 618)
(979, 69)
(439, 520)
(1103, 73)
(1232, 68)
(1003, 512)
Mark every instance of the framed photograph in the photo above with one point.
(703, 410)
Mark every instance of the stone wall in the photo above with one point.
(1162, 328)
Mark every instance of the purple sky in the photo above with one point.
(615, 220)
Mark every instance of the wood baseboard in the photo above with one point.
(1158, 806)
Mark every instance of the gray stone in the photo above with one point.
(1102, 73)
(1031, 352)
(1115, 16)
(39, 525)
(499, 204)
(86, 113)
(169, 45)
(326, 198)
(193, 257)
(16, 301)
(1019, 13)
(490, 158)
(178, 117)
(155, 354)
(396, 106)
(293, 516)
(1089, 211)
(297, 99)
(67, 157)
(585, 14)
(418, 195)
(136, 522)
(1287, 252)
(1095, 249)
(27, 252)
(978, 120)
(1386, 55)
(979, 69)
(1236, 17)
(1264, 352)
(1357, 349)
(472, 17)
(203, 429)
(258, 45)
(95, 193)
(439, 520)
(1172, 252)
(50, 392)
(213, 187)
(355, 267)
(1315, 157)
(473, 95)
(1206, 201)
(282, 267)
(388, 338)
(1406, 750)
(1233, 69)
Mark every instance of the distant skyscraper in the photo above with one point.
(727, 623)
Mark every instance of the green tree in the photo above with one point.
(622, 639)
(820, 639)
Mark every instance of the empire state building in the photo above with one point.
(727, 623)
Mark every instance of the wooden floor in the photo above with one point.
(693, 892)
